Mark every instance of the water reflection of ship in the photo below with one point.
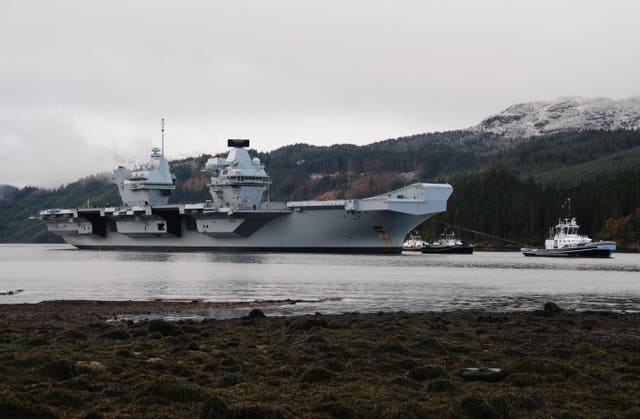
(448, 244)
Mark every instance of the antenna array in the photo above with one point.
(162, 129)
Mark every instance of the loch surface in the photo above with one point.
(328, 283)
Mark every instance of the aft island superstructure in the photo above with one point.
(237, 218)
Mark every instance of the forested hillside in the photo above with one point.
(570, 159)
(511, 188)
(503, 205)
(17, 205)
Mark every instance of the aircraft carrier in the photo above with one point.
(237, 218)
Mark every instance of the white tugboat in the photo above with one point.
(237, 218)
(414, 243)
(564, 241)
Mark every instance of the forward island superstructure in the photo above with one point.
(237, 218)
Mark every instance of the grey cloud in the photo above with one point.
(284, 71)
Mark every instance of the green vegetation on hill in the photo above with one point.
(625, 230)
(571, 159)
(190, 180)
(511, 188)
(16, 208)
(302, 171)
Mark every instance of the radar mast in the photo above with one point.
(162, 130)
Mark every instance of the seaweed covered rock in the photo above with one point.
(308, 323)
(167, 390)
(391, 348)
(427, 372)
(256, 313)
(474, 407)
(336, 410)
(215, 407)
(258, 411)
(541, 366)
(405, 382)
(432, 346)
(441, 385)
(408, 410)
(117, 334)
(551, 307)
(316, 375)
(523, 379)
(10, 408)
(37, 341)
(60, 369)
(163, 327)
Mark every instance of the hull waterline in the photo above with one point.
(453, 250)
(594, 251)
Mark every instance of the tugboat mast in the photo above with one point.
(567, 206)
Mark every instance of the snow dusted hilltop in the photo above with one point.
(564, 114)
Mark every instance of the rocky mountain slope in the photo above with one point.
(564, 114)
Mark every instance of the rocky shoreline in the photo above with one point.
(65, 312)
(64, 359)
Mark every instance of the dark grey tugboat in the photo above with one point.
(564, 241)
(448, 244)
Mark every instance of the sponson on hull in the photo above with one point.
(237, 218)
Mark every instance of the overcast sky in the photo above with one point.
(84, 84)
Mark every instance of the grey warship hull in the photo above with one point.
(372, 225)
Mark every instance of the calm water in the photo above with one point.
(331, 283)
